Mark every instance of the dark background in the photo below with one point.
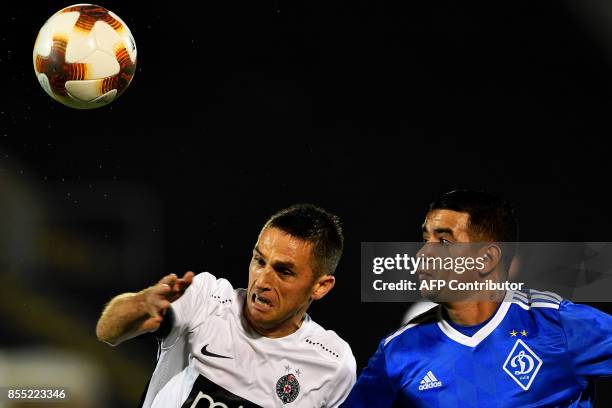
(370, 109)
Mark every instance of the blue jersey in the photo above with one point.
(536, 350)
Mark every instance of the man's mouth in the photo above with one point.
(260, 301)
(424, 275)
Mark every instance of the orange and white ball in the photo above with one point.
(84, 56)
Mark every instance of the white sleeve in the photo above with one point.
(345, 379)
(194, 302)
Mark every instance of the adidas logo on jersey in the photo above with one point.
(429, 381)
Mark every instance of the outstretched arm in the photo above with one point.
(132, 314)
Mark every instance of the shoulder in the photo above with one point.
(531, 298)
(207, 283)
(203, 295)
(416, 323)
(582, 326)
(550, 305)
(329, 345)
(536, 300)
(207, 279)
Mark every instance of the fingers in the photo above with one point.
(156, 302)
(172, 288)
(184, 282)
(158, 305)
(169, 279)
(188, 276)
(167, 290)
(161, 289)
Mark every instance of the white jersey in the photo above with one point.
(212, 358)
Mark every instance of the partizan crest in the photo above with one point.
(287, 388)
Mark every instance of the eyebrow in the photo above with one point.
(288, 265)
(438, 231)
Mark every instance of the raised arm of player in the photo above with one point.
(131, 314)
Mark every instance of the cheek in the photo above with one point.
(297, 295)
(252, 273)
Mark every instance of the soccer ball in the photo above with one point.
(84, 56)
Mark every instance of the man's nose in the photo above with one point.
(426, 250)
(265, 278)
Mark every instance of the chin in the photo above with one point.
(432, 296)
(258, 316)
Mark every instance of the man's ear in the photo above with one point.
(491, 255)
(322, 286)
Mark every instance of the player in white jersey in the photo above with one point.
(255, 347)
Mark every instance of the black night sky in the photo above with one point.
(368, 108)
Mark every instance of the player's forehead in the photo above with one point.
(277, 244)
(442, 220)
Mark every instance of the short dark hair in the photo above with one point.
(317, 226)
(491, 217)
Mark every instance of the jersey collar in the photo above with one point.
(484, 331)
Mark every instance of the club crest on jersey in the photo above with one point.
(522, 364)
(287, 388)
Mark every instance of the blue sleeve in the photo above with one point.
(373, 388)
(589, 339)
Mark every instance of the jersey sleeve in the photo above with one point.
(588, 332)
(373, 388)
(346, 376)
(183, 310)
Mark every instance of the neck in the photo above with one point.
(470, 313)
(277, 330)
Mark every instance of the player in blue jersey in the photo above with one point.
(508, 349)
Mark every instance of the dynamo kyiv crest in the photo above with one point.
(522, 364)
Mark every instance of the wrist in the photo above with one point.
(142, 304)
